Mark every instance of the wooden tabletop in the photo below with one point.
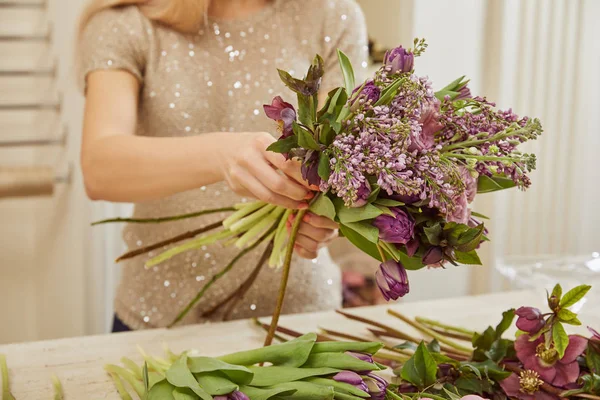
(78, 362)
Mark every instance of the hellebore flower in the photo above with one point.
(525, 386)
(368, 93)
(376, 386)
(351, 378)
(235, 395)
(545, 361)
(530, 319)
(400, 60)
(397, 229)
(392, 280)
(310, 168)
(433, 255)
(430, 125)
(283, 113)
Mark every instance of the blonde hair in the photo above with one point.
(182, 15)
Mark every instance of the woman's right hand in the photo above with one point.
(251, 170)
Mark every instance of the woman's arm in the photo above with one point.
(119, 166)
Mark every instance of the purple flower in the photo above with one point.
(235, 395)
(310, 168)
(392, 280)
(424, 139)
(525, 386)
(470, 183)
(361, 356)
(376, 386)
(464, 93)
(461, 213)
(530, 319)
(546, 362)
(282, 112)
(399, 60)
(351, 378)
(433, 255)
(369, 92)
(412, 246)
(397, 229)
(362, 194)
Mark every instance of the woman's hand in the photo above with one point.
(251, 170)
(315, 233)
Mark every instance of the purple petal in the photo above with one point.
(565, 373)
(350, 377)
(576, 347)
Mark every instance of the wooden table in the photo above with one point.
(78, 362)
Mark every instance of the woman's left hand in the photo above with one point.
(315, 233)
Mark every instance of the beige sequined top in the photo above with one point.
(218, 80)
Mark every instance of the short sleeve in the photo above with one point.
(115, 38)
(344, 29)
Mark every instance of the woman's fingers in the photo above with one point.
(251, 184)
(302, 252)
(291, 168)
(319, 222)
(276, 182)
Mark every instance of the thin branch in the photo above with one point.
(166, 242)
(163, 219)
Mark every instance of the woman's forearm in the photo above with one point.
(127, 168)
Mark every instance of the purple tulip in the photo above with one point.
(235, 395)
(399, 60)
(433, 255)
(377, 386)
(392, 280)
(361, 356)
(397, 229)
(362, 194)
(282, 112)
(464, 93)
(369, 92)
(530, 319)
(430, 125)
(351, 378)
(412, 246)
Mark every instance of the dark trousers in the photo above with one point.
(119, 326)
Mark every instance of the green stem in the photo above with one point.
(427, 331)
(276, 336)
(284, 276)
(133, 367)
(6, 395)
(431, 396)
(175, 239)
(391, 395)
(127, 376)
(58, 389)
(480, 158)
(120, 388)
(438, 324)
(216, 277)
(164, 219)
(381, 252)
(266, 223)
(280, 235)
(249, 221)
(242, 212)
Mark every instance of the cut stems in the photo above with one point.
(164, 219)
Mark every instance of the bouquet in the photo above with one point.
(541, 362)
(397, 165)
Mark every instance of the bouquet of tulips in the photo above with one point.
(541, 362)
(397, 165)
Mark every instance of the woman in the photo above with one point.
(174, 123)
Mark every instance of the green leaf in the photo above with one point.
(499, 349)
(184, 394)
(339, 361)
(482, 342)
(365, 229)
(323, 206)
(347, 71)
(355, 214)
(389, 92)
(145, 379)
(305, 138)
(452, 395)
(592, 356)
(179, 375)
(455, 84)
(267, 393)
(560, 338)
(162, 390)
(469, 258)
(341, 347)
(491, 369)
(6, 395)
(236, 373)
(340, 388)
(469, 385)
(374, 193)
(420, 369)
(574, 295)
(433, 233)
(324, 168)
(411, 263)
(360, 241)
(507, 318)
(566, 315)
(291, 354)
(388, 202)
(284, 145)
(464, 366)
(470, 239)
(453, 232)
(326, 134)
(557, 291)
(486, 184)
(305, 107)
(269, 376)
(433, 346)
(385, 210)
(478, 215)
(406, 345)
(307, 391)
(216, 383)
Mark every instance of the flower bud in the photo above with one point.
(530, 319)
(392, 280)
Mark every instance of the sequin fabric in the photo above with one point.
(217, 80)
